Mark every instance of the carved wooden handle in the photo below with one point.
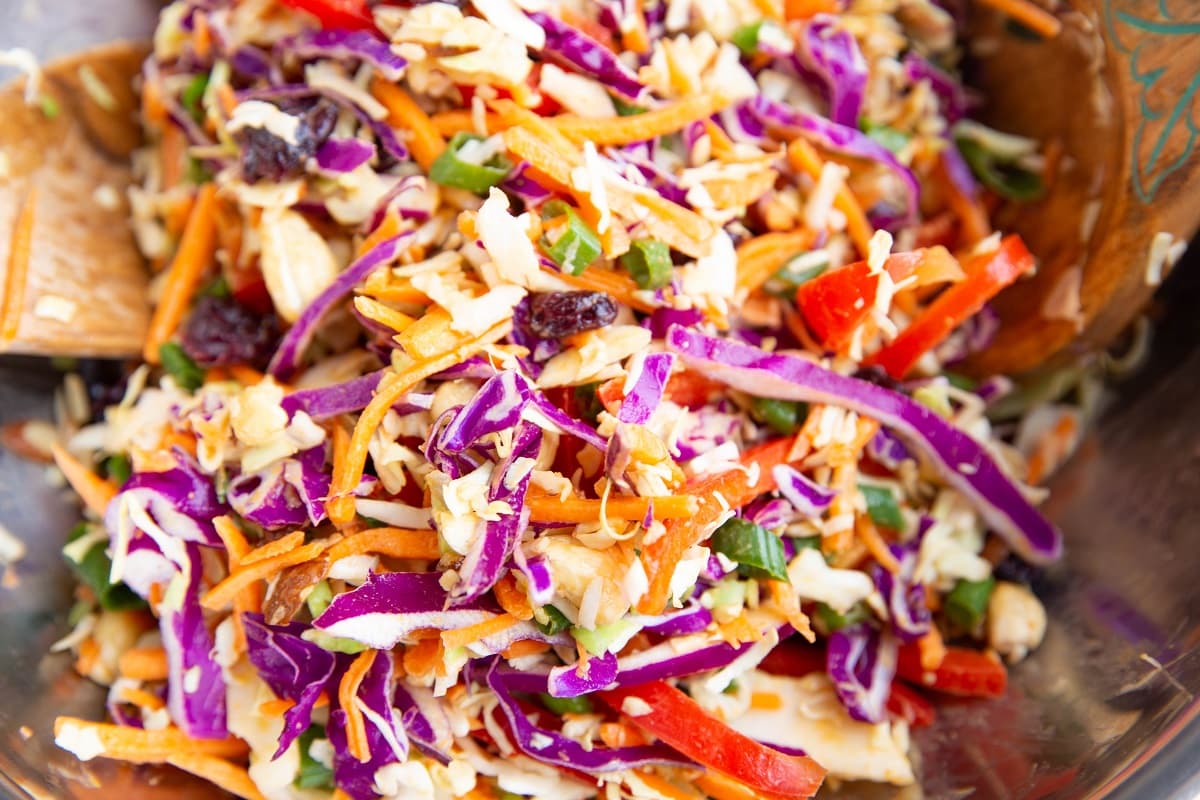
(1117, 93)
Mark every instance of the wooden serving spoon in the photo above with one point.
(1117, 93)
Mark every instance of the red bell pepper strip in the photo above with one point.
(353, 15)
(986, 276)
(679, 721)
(908, 704)
(835, 303)
(965, 673)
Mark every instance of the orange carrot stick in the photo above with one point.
(95, 492)
(657, 122)
(278, 547)
(424, 657)
(1031, 16)
(220, 773)
(141, 698)
(192, 259)
(20, 247)
(356, 728)
(449, 123)
(869, 535)
(512, 599)
(141, 746)
(480, 630)
(393, 542)
(761, 257)
(231, 535)
(403, 112)
(618, 285)
(803, 157)
(550, 508)
(143, 664)
(222, 595)
(970, 211)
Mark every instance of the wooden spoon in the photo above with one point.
(73, 281)
(1115, 93)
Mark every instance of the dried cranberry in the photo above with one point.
(559, 314)
(220, 331)
(265, 156)
(879, 376)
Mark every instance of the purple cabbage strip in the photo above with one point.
(957, 169)
(424, 721)
(386, 741)
(540, 583)
(344, 155)
(963, 463)
(810, 498)
(861, 662)
(580, 52)
(886, 448)
(521, 184)
(769, 513)
(495, 407)
(845, 140)
(343, 45)
(295, 342)
(661, 319)
(551, 747)
(833, 55)
(294, 668)
(330, 401)
(489, 554)
(195, 683)
(572, 681)
(692, 618)
(286, 494)
(643, 399)
(952, 99)
(181, 501)
(565, 422)
(905, 598)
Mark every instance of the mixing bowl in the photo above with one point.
(1106, 708)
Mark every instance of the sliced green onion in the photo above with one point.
(313, 774)
(334, 644)
(967, 602)
(192, 94)
(649, 262)
(799, 269)
(882, 506)
(118, 468)
(745, 38)
(606, 637)
(319, 599)
(829, 620)
(1005, 178)
(886, 135)
(180, 366)
(933, 396)
(577, 245)
(960, 381)
(449, 169)
(550, 620)
(588, 405)
(197, 173)
(806, 542)
(782, 416)
(50, 107)
(759, 552)
(94, 568)
(566, 705)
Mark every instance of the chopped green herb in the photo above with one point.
(49, 106)
(745, 38)
(566, 705)
(550, 620)
(180, 366)
(93, 568)
(807, 542)
(118, 468)
(605, 637)
(782, 416)
(759, 552)
(192, 94)
(313, 774)
(197, 173)
(830, 620)
(887, 136)
(649, 263)
(576, 245)
(450, 169)
(967, 602)
(882, 506)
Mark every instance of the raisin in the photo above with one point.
(265, 156)
(220, 331)
(879, 376)
(559, 314)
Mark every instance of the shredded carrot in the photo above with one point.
(95, 492)
(1034, 17)
(395, 293)
(1052, 449)
(869, 535)
(217, 771)
(424, 657)
(511, 598)
(636, 39)
(222, 595)
(153, 109)
(721, 787)
(783, 594)
(393, 542)
(141, 698)
(356, 728)
(172, 151)
(549, 508)
(403, 112)
(525, 647)
(766, 701)
(275, 708)
(717, 495)
(761, 257)
(389, 227)
(739, 630)
(338, 794)
(664, 788)
(619, 734)
(771, 9)
(141, 746)
(246, 375)
(384, 315)
(201, 36)
(449, 123)
(347, 469)
(972, 216)
(739, 193)
(618, 285)
(278, 547)
(143, 664)
(89, 654)
(462, 637)
(932, 649)
(804, 157)
(192, 259)
(236, 546)
(657, 122)
(20, 248)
